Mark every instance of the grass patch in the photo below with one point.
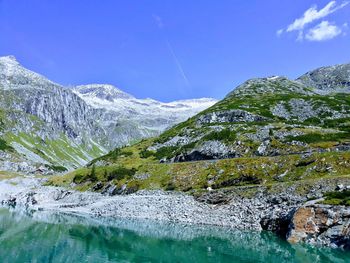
(57, 168)
(337, 198)
(197, 176)
(4, 146)
(8, 175)
(120, 173)
(224, 135)
(318, 137)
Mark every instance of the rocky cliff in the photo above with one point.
(137, 118)
(321, 225)
(328, 79)
(45, 126)
(268, 117)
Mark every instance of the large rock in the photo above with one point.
(321, 225)
(328, 79)
(230, 116)
(207, 151)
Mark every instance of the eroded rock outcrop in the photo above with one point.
(321, 225)
(230, 116)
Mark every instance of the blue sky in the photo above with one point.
(171, 50)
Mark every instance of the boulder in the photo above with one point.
(321, 225)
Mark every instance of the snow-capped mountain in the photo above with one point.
(103, 92)
(152, 114)
(14, 76)
(45, 123)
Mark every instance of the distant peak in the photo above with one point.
(9, 58)
(273, 77)
(102, 91)
(12, 57)
(328, 79)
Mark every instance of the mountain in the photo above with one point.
(328, 79)
(267, 130)
(147, 115)
(46, 126)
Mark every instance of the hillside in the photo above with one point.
(266, 131)
(46, 127)
(147, 117)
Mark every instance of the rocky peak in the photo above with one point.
(8, 59)
(328, 79)
(102, 92)
(14, 76)
(274, 84)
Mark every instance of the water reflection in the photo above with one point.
(47, 237)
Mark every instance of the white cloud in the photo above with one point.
(311, 15)
(279, 32)
(158, 20)
(323, 31)
(345, 28)
(300, 36)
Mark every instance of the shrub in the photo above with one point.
(57, 168)
(166, 152)
(170, 186)
(223, 135)
(146, 153)
(93, 176)
(127, 154)
(4, 146)
(79, 178)
(337, 198)
(121, 173)
(132, 187)
(318, 137)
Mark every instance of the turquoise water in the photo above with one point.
(42, 237)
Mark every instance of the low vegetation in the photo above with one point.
(148, 173)
(271, 148)
(8, 175)
(337, 198)
(4, 146)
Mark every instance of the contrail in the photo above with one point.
(178, 64)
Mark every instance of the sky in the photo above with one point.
(174, 49)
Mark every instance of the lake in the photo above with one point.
(49, 237)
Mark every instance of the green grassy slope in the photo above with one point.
(306, 136)
(20, 135)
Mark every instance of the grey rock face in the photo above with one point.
(175, 141)
(206, 151)
(229, 116)
(136, 118)
(262, 149)
(39, 111)
(268, 117)
(103, 92)
(321, 225)
(44, 122)
(328, 79)
(269, 85)
(301, 110)
(62, 109)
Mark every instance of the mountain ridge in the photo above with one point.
(52, 121)
(267, 130)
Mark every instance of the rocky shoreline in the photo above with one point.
(283, 209)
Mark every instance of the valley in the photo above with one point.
(272, 150)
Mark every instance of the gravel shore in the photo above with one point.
(284, 210)
(154, 205)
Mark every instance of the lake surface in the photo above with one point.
(46, 237)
